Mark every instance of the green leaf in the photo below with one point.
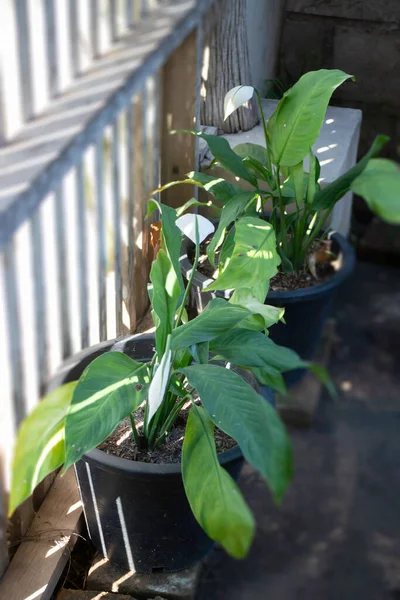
(165, 296)
(214, 497)
(329, 195)
(227, 249)
(252, 349)
(218, 317)
(216, 186)
(200, 352)
(254, 257)
(296, 123)
(259, 153)
(243, 414)
(245, 297)
(230, 212)
(110, 388)
(322, 374)
(271, 377)
(192, 202)
(379, 185)
(312, 183)
(40, 444)
(297, 176)
(226, 157)
(171, 236)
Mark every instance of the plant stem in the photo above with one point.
(281, 214)
(264, 124)
(170, 420)
(135, 433)
(317, 230)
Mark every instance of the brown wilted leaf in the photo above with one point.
(322, 255)
(155, 236)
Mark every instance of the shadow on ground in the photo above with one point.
(337, 535)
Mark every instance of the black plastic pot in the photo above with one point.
(137, 514)
(306, 310)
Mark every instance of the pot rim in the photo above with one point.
(110, 462)
(287, 296)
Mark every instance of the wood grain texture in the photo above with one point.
(226, 64)
(180, 111)
(38, 563)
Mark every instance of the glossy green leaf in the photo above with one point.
(110, 388)
(245, 297)
(230, 212)
(171, 235)
(252, 349)
(294, 127)
(312, 183)
(271, 377)
(243, 414)
(227, 158)
(214, 497)
(255, 159)
(227, 249)
(297, 176)
(216, 186)
(254, 257)
(218, 317)
(189, 204)
(379, 185)
(328, 196)
(165, 296)
(200, 352)
(40, 444)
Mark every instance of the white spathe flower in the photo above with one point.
(158, 384)
(236, 97)
(187, 224)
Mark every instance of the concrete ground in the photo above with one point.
(337, 535)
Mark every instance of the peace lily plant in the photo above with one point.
(189, 365)
(300, 207)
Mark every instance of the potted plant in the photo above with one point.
(314, 261)
(158, 503)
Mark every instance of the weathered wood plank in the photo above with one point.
(116, 191)
(180, 111)
(38, 563)
(38, 158)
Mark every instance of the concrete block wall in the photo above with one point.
(362, 37)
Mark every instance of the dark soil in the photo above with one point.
(280, 281)
(121, 443)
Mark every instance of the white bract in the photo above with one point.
(187, 224)
(158, 384)
(236, 97)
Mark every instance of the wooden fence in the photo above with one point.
(89, 91)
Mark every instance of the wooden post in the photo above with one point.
(226, 64)
(179, 152)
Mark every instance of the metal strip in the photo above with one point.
(129, 14)
(131, 223)
(82, 255)
(94, 28)
(51, 48)
(39, 300)
(25, 67)
(27, 201)
(117, 225)
(112, 7)
(14, 333)
(101, 241)
(63, 281)
(74, 38)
